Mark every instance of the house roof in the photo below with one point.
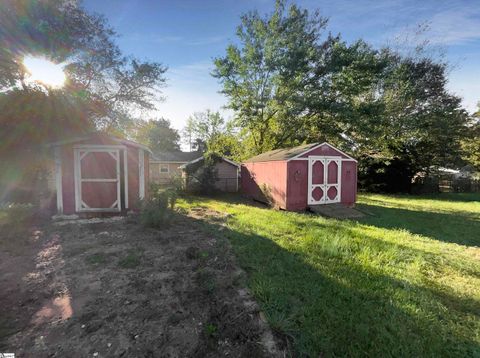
(99, 136)
(202, 158)
(281, 154)
(175, 156)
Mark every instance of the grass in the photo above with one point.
(404, 281)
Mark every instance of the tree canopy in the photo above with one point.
(104, 89)
(158, 135)
(288, 82)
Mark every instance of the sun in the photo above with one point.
(43, 71)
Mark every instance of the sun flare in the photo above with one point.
(43, 71)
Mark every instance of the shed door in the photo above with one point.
(97, 180)
(324, 180)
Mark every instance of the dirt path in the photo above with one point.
(114, 289)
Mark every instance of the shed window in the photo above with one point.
(164, 169)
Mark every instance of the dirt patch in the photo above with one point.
(115, 289)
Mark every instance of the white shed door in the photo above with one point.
(324, 180)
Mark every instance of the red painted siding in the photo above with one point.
(349, 183)
(269, 175)
(297, 185)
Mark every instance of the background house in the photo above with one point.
(165, 166)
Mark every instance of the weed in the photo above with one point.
(130, 261)
(211, 330)
(98, 258)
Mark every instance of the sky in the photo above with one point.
(186, 35)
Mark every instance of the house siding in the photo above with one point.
(164, 178)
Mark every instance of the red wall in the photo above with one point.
(271, 174)
(297, 183)
(68, 183)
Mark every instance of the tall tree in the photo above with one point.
(471, 142)
(208, 131)
(267, 78)
(288, 85)
(158, 135)
(103, 88)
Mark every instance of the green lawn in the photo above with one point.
(404, 281)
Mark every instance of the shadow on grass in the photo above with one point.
(460, 227)
(329, 306)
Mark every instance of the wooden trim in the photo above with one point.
(125, 175)
(166, 162)
(297, 157)
(58, 179)
(99, 147)
(141, 174)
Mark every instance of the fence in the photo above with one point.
(460, 185)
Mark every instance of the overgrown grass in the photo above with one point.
(404, 281)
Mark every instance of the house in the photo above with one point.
(164, 167)
(227, 174)
(301, 177)
(98, 173)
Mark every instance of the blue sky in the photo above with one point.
(187, 35)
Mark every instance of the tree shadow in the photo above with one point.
(329, 306)
(460, 227)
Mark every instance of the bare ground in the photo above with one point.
(115, 289)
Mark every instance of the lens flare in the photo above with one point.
(45, 72)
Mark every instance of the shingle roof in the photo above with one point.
(100, 136)
(176, 156)
(281, 154)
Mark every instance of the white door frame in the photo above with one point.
(79, 153)
(325, 186)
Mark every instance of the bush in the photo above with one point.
(159, 209)
(426, 185)
(203, 175)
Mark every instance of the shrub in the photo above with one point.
(159, 209)
(202, 175)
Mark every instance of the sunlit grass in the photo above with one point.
(385, 286)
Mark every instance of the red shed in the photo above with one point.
(296, 178)
(98, 173)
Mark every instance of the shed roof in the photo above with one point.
(175, 156)
(100, 136)
(282, 154)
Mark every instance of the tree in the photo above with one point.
(289, 86)
(103, 86)
(158, 135)
(208, 131)
(471, 142)
(268, 78)
(102, 90)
